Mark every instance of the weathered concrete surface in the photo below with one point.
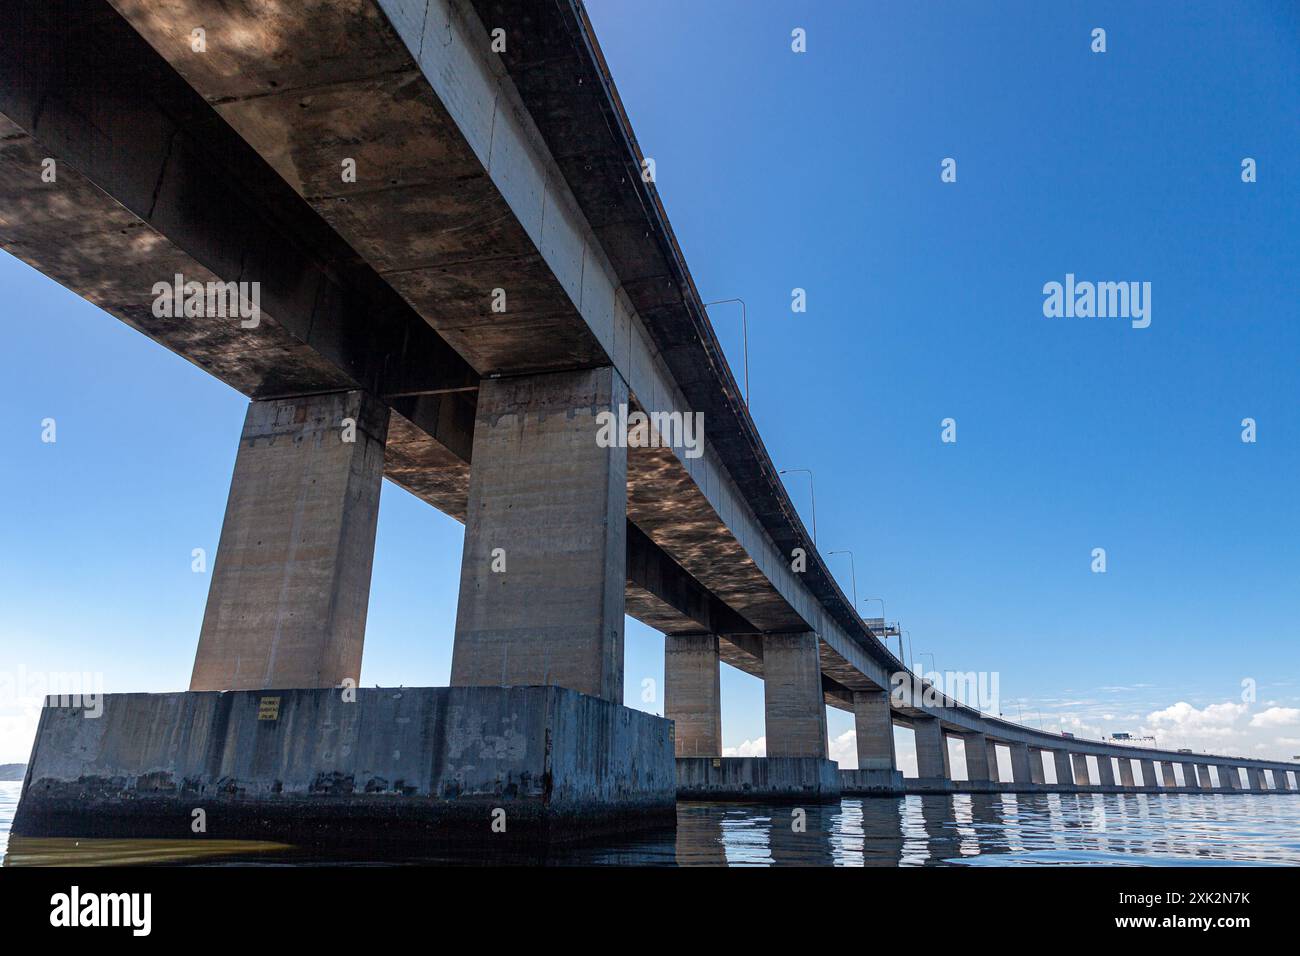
(1106, 771)
(543, 574)
(874, 729)
(692, 694)
(1020, 768)
(757, 778)
(1191, 777)
(977, 757)
(1256, 779)
(869, 782)
(291, 581)
(1203, 778)
(931, 750)
(1064, 772)
(1168, 775)
(1280, 781)
(410, 763)
(1229, 778)
(1126, 772)
(1036, 772)
(1080, 769)
(793, 705)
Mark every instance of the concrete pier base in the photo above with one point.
(692, 699)
(431, 764)
(871, 782)
(761, 779)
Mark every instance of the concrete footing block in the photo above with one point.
(771, 779)
(867, 782)
(435, 764)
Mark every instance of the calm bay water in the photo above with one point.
(1004, 830)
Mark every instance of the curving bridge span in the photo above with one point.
(462, 269)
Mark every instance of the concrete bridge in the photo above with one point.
(462, 270)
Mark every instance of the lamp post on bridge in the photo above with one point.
(744, 326)
(812, 490)
(854, 572)
(886, 626)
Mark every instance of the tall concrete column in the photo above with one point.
(291, 581)
(1203, 776)
(1105, 772)
(1064, 772)
(544, 566)
(1191, 778)
(1126, 777)
(793, 702)
(1256, 778)
(1167, 774)
(1080, 770)
(692, 697)
(931, 749)
(1229, 778)
(1020, 770)
(994, 771)
(1036, 774)
(1149, 778)
(977, 756)
(874, 727)
(1280, 781)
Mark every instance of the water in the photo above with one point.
(970, 830)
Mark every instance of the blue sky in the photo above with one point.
(821, 171)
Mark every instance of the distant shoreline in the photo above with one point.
(12, 771)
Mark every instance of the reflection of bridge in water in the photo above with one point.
(962, 829)
(462, 266)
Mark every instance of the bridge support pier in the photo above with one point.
(1064, 772)
(692, 697)
(794, 705)
(1126, 777)
(874, 729)
(1080, 770)
(1020, 767)
(931, 750)
(1229, 778)
(1168, 775)
(543, 573)
(1203, 779)
(977, 757)
(1036, 774)
(291, 581)
(995, 773)
(1256, 776)
(1149, 778)
(1191, 777)
(1280, 781)
(1105, 771)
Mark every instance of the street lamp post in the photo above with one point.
(853, 571)
(744, 326)
(812, 490)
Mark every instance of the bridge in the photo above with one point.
(421, 237)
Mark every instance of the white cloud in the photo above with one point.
(1277, 717)
(844, 749)
(750, 748)
(1183, 717)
